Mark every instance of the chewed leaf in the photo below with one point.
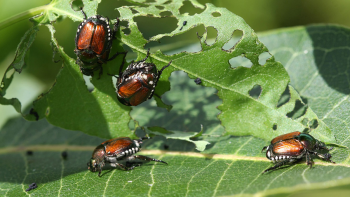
(180, 135)
(319, 70)
(242, 114)
(58, 8)
(70, 105)
(97, 113)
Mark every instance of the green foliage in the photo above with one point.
(91, 113)
(248, 119)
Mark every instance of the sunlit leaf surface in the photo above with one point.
(229, 165)
(70, 105)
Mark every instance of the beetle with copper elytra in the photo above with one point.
(93, 43)
(138, 82)
(290, 147)
(115, 151)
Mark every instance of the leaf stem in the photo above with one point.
(22, 16)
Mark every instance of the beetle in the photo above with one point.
(116, 150)
(290, 147)
(93, 43)
(138, 82)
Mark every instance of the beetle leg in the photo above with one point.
(325, 156)
(159, 73)
(100, 73)
(116, 54)
(264, 148)
(141, 157)
(100, 168)
(99, 172)
(121, 66)
(308, 159)
(122, 166)
(279, 165)
(145, 57)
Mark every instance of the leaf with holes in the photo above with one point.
(318, 69)
(32, 152)
(241, 113)
(69, 104)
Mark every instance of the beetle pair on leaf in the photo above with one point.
(93, 43)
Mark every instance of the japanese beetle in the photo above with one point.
(137, 83)
(290, 147)
(93, 43)
(115, 151)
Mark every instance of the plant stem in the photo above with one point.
(22, 16)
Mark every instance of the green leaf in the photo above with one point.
(179, 135)
(69, 104)
(316, 58)
(58, 8)
(241, 114)
(229, 166)
(98, 113)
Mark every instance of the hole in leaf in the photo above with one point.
(9, 73)
(298, 111)
(187, 7)
(216, 14)
(77, 4)
(263, 57)
(167, 2)
(255, 91)
(313, 124)
(88, 83)
(285, 97)
(274, 127)
(240, 61)
(47, 112)
(150, 26)
(212, 34)
(304, 99)
(131, 55)
(166, 14)
(166, 147)
(125, 24)
(306, 130)
(47, 74)
(305, 122)
(236, 37)
(160, 7)
(189, 37)
(134, 11)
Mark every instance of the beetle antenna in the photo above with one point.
(82, 11)
(145, 138)
(116, 76)
(161, 70)
(122, 66)
(115, 27)
(146, 56)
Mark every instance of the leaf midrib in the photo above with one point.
(60, 148)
